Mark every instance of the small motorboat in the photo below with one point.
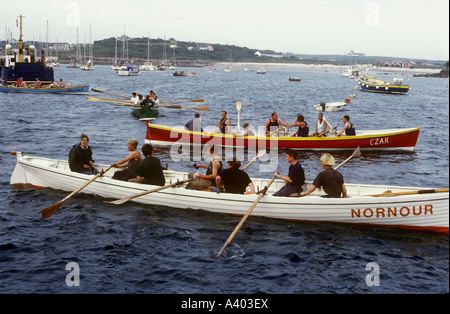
(330, 106)
(374, 85)
(130, 70)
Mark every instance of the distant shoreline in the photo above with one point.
(318, 67)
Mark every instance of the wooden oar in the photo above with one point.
(356, 153)
(99, 91)
(277, 130)
(47, 212)
(167, 101)
(389, 193)
(129, 103)
(108, 100)
(179, 107)
(323, 133)
(230, 238)
(260, 154)
(113, 102)
(126, 199)
(172, 101)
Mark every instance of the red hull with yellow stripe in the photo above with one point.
(391, 140)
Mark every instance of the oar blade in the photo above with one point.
(357, 152)
(47, 212)
(118, 202)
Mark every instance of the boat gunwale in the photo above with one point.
(179, 129)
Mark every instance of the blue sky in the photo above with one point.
(396, 28)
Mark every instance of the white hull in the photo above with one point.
(417, 211)
(128, 73)
(331, 106)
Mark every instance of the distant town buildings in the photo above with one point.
(269, 53)
(398, 64)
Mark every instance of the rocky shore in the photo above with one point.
(442, 74)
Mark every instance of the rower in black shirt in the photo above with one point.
(234, 179)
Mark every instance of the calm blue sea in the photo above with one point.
(155, 250)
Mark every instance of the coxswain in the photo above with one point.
(349, 128)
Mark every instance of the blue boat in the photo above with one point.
(23, 63)
(72, 90)
(374, 85)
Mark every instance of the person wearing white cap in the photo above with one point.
(331, 180)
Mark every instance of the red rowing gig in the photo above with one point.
(388, 140)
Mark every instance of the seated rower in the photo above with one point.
(129, 163)
(273, 124)
(331, 180)
(245, 132)
(21, 83)
(134, 99)
(213, 169)
(140, 99)
(149, 170)
(303, 128)
(234, 179)
(321, 126)
(38, 83)
(349, 128)
(295, 179)
(53, 84)
(147, 102)
(61, 84)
